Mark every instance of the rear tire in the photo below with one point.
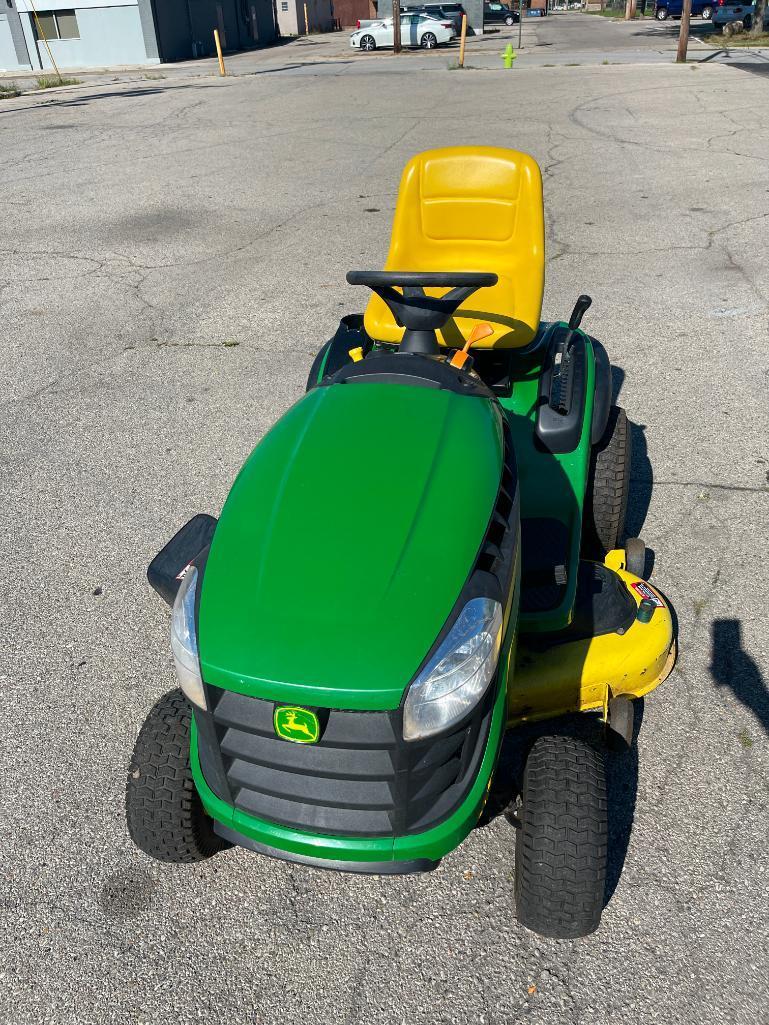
(707, 13)
(608, 486)
(661, 13)
(560, 847)
(428, 41)
(163, 808)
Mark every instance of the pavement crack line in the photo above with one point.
(761, 489)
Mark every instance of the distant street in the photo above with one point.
(173, 255)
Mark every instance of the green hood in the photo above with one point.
(345, 542)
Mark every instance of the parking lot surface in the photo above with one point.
(173, 255)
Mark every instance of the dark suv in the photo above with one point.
(498, 14)
(443, 12)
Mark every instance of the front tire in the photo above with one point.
(661, 13)
(608, 487)
(509, 21)
(428, 41)
(707, 13)
(747, 22)
(163, 808)
(368, 43)
(561, 845)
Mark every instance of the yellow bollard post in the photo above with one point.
(462, 38)
(306, 22)
(222, 71)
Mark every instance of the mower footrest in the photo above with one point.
(545, 556)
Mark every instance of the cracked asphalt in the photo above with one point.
(172, 256)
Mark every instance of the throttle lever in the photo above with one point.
(581, 306)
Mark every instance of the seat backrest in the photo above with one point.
(472, 208)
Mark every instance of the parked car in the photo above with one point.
(499, 14)
(673, 9)
(736, 10)
(416, 30)
(443, 12)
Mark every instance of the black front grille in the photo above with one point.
(360, 779)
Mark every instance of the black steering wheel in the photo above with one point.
(421, 315)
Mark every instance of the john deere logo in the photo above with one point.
(297, 724)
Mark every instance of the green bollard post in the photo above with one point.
(509, 55)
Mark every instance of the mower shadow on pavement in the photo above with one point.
(731, 666)
(641, 488)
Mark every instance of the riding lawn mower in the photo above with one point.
(422, 561)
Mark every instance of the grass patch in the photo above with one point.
(743, 39)
(153, 78)
(745, 739)
(9, 89)
(52, 82)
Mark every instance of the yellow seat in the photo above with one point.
(472, 208)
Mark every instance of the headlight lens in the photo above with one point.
(184, 641)
(456, 677)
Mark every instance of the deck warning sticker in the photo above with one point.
(646, 592)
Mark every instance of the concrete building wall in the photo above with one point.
(9, 59)
(264, 29)
(114, 32)
(347, 12)
(108, 34)
(186, 27)
(13, 46)
(291, 21)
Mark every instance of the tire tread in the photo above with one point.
(561, 846)
(608, 486)
(164, 812)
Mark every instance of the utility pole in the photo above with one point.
(757, 26)
(397, 26)
(683, 35)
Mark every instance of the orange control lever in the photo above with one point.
(481, 330)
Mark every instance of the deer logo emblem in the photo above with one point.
(297, 724)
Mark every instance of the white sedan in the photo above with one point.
(416, 30)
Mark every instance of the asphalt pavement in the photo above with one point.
(173, 254)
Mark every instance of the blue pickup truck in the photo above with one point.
(672, 9)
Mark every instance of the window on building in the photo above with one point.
(56, 25)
